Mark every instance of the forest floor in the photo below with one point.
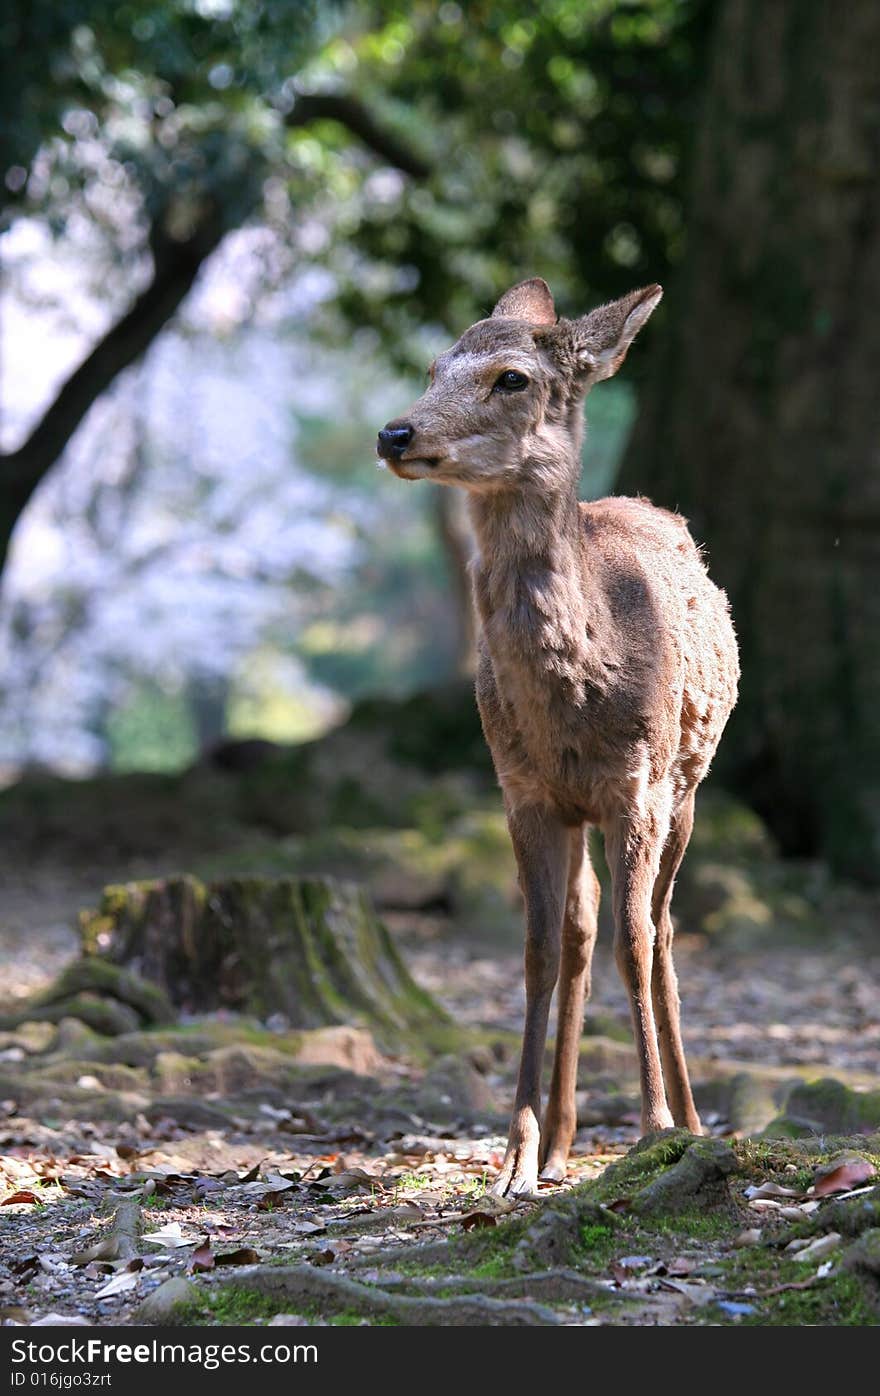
(217, 1172)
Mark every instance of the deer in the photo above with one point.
(607, 670)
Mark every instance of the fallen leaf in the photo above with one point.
(771, 1189)
(19, 1198)
(206, 1185)
(245, 1255)
(120, 1284)
(847, 1175)
(14, 1313)
(105, 1249)
(351, 1180)
(169, 1236)
(202, 1257)
(25, 1268)
(279, 1183)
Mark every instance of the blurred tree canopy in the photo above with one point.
(426, 154)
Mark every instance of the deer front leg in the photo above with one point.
(633, 857)
(578, 941)
(541, 845)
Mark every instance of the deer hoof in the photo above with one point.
(554, 1171)
(518, 1176)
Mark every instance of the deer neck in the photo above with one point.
(533, 590)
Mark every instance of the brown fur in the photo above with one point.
(607, 671)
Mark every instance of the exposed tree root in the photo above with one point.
(321, 1289)
(127, 1228)
(699, 1178)
(553, 1286)
(432, 1253)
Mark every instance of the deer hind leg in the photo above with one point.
(541, 845)
(664, 984)
(633, 851)
(578, 941)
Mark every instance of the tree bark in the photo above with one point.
(309, 948)
(761, 421)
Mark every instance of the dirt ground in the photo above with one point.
(348, 1184)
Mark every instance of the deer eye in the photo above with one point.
(511, 382)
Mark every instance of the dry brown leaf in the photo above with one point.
(202, 1257)
(471, 1220)
(21, 1198)
(351, 1180)
(245, 1255)
(105, 1249)
(848, 1174)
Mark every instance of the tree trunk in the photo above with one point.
(762, 418)
(309, 948)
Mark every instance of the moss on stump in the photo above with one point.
(311, 949)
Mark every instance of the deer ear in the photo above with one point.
(530, 300)
(603, 337)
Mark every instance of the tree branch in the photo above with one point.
(176, 267)
(351, 113)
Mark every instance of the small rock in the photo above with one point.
(289, 1321)
(455, 1084)
(822, 1246)
(165, 1303)
(750, 1237)
(736, 1309)
(352, 1049)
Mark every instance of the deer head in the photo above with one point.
(504, 405)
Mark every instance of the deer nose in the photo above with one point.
(393, 440)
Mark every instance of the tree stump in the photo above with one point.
(311, 949)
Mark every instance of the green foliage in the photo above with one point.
(185, 99)
(152, 731)
(559, 138)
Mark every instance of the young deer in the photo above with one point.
(608, 668)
